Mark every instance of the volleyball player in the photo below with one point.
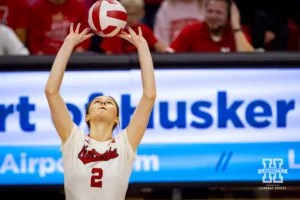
(97, 165)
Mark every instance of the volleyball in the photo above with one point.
(107, 18)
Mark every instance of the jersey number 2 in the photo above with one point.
(96, 178)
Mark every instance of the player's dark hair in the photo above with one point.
(88, 108)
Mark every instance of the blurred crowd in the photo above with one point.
(39, 27)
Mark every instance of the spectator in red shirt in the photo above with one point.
(135, 12)
(50, 22)
(215, 34)
(13, 13)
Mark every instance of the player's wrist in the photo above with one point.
(142, 47)
(69, 43)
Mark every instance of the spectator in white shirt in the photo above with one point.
(10, 43)
(174, 15)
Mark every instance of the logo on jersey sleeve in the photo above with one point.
(88, 156)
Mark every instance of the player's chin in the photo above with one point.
(104, 114)
(101, 113)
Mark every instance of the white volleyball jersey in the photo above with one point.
(96, 170)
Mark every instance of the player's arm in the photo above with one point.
(139, 120)
(59, 111)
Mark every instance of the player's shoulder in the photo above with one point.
(76, 134)
(121, 137)
(120, 134)
(123, 142)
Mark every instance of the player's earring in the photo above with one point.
(117, 120)
(87, 118)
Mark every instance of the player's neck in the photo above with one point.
(101, 132)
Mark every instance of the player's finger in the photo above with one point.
(88, 36)
(132, 33)
(71, 28)
(125, 36)
(85, 31)
(123, 33)
(140, 31)
(77, 28)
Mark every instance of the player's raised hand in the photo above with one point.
(75, 37)
(136, 39)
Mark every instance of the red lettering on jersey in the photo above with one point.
(93, 156)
